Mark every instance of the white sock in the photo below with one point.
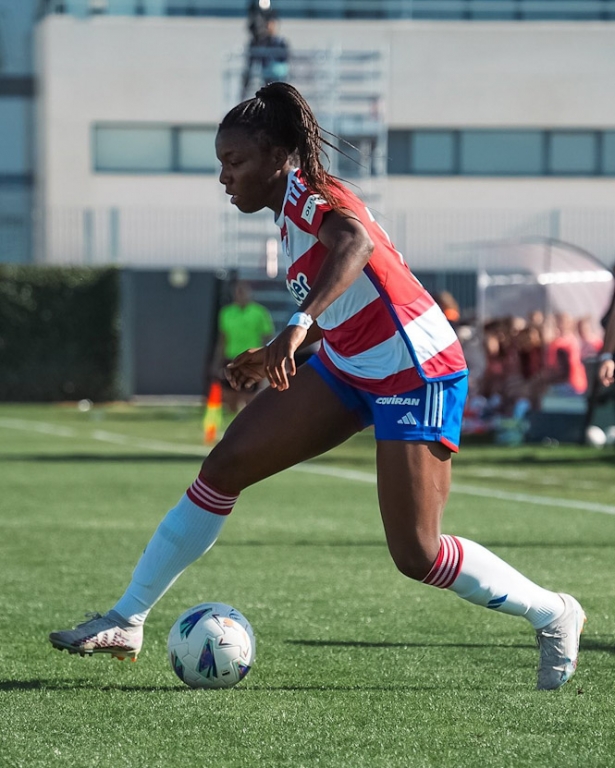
(480, 577)
(187, 532)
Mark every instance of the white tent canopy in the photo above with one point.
(518, 277)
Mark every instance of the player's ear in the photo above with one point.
(279, 157)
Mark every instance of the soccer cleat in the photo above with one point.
(559, 646)
(100, 634)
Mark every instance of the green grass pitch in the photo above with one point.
(356, 666)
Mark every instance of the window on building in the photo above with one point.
(398, 153)
(154, 149)
(608, 153)
(494, 10)
(573, 153)
(196, 151)
(433, 152)
(15, 129)
(133, 149)
(501, 153)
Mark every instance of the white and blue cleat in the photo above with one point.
(559, 646)
(100, 634)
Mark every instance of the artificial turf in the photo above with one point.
(356, 666)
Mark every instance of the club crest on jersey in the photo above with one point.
(309, 209)
(298, 287)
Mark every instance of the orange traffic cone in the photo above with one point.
(212, 418)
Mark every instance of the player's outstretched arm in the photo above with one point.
(349, 249)
(246, 369)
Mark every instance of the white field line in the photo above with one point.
(526, 498)
(149, 445)
(38, 426)
(106, 437)
(309, 468)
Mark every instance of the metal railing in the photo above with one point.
(522, 10)
(430, 239)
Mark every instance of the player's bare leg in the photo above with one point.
(413, 486)
(276, 430)
(231, 399)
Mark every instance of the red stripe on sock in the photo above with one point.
(448, 563)
(210, 499)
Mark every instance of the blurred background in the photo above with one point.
(481, 133)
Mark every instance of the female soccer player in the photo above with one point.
(388, 357)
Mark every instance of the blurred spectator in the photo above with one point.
(530, 352)
(536, 318)
(566, 373)
(259, 12)
(471, 342)
(243, 324)
(591, 342)
(522, 360)
(268, 53)
(549, 330)
(494, 377)
(448, 304)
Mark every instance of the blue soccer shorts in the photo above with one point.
(430, 413)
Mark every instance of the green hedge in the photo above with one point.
(59, 333)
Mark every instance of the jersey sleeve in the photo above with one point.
(307, 212)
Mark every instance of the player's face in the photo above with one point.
(255, 177)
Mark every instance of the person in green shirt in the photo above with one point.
(243, 324)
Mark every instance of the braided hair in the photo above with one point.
(280, 116)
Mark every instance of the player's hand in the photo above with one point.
(280, 356)
(246, 369)
(606, 373)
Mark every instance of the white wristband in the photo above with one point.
(301, 319)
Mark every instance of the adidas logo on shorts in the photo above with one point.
(407, 419)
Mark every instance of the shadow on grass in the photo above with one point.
(58, 458)
(384, 644)
(576, 545)
(605, 457)
(587, 644)
(347, 462)
(72, 685)
(75, 685)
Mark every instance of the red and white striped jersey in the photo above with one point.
(385, 334)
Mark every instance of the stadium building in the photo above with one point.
(469, 121)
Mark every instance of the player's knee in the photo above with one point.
(412, 569)
(415, 562)
(223, 468)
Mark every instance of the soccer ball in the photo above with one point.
(595, 436)
(211, 645)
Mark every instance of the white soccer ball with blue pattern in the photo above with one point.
(211, 645)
